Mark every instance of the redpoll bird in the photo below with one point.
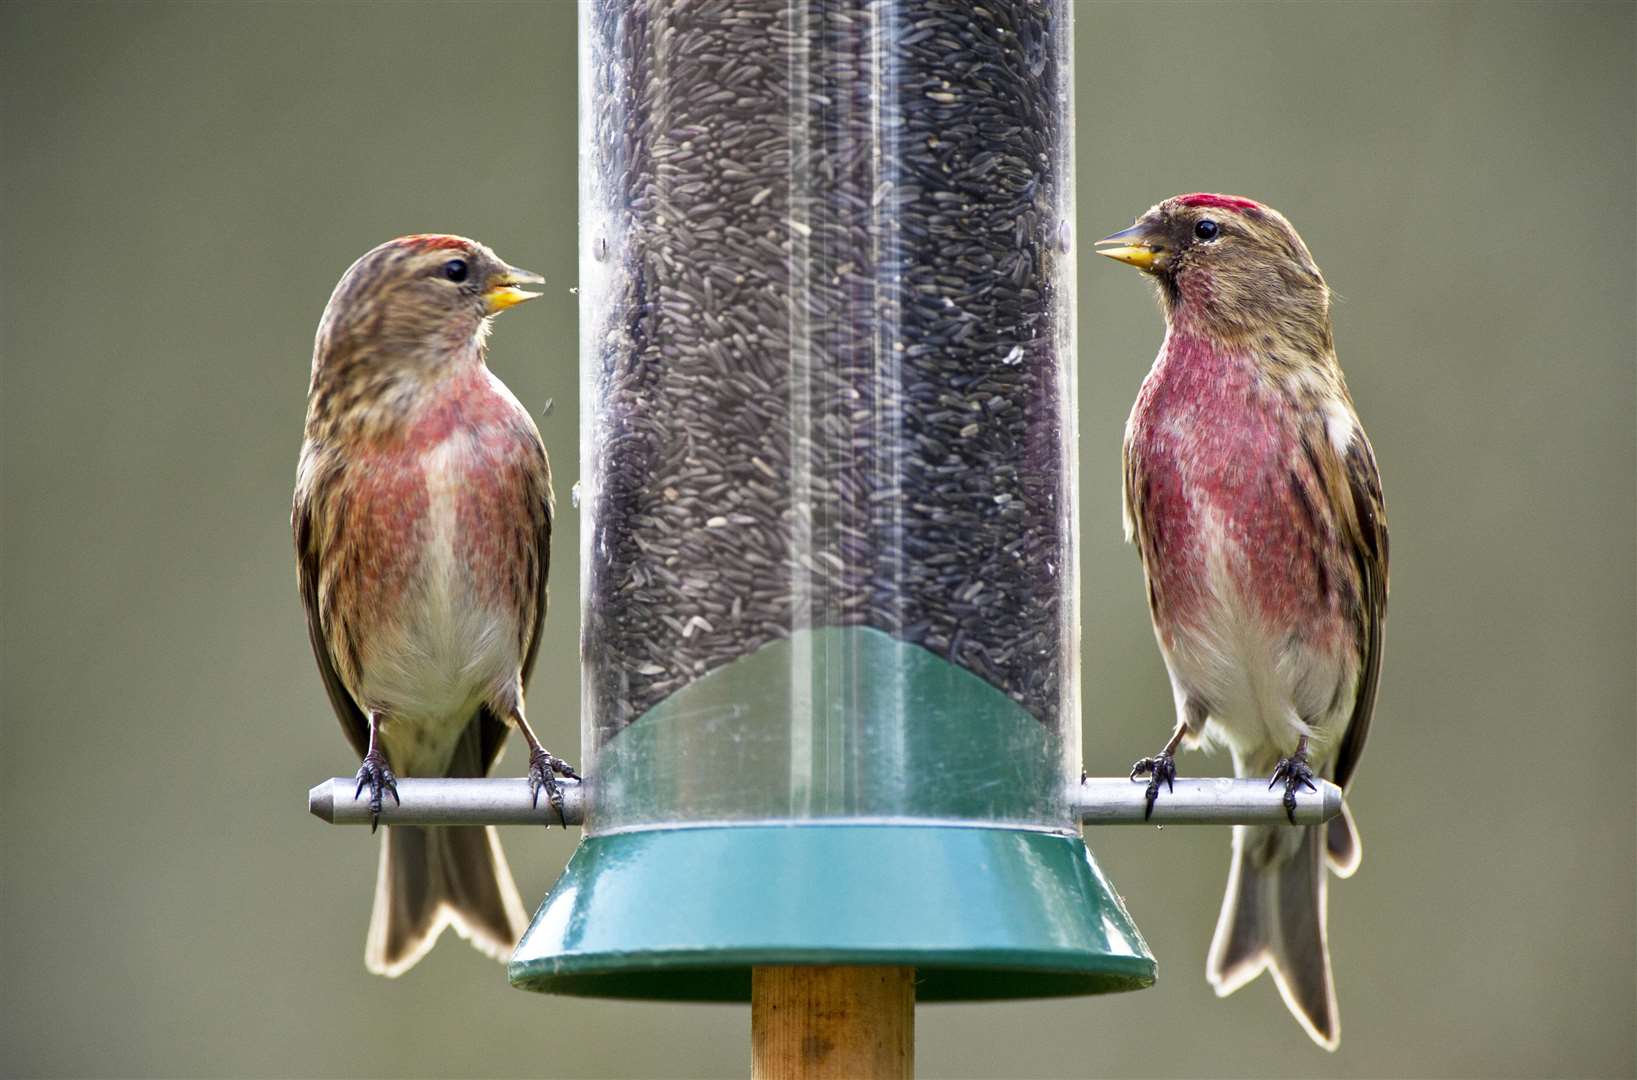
(422, 523)
(1253, 496)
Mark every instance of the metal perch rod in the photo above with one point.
(1102, 800)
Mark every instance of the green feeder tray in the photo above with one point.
(837, 798)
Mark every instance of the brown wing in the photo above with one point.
(1132, 517)
(1134, 493)
(309, 561)
(537, 471)
(540, 505)
(1366, 535)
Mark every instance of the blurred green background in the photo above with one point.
(183, 184)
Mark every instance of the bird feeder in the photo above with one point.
(829, 595)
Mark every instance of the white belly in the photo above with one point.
(448, 649)
(1265, 689)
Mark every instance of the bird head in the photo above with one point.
(1227, 266)
(419, 301)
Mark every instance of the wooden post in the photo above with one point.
(832, 1023)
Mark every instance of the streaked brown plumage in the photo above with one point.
(1253, 495)
(422, 520)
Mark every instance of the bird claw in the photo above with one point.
(376, 775)
(1295, 773)
(1161, 769)
(544, 769)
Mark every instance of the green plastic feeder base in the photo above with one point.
(966, 864)
(684, 914)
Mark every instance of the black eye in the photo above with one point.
(455, 269)
(1206, 229)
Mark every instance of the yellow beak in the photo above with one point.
(1141, 256)
(1134, 249)
(503, 291)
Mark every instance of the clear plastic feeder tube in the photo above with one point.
(828, 540)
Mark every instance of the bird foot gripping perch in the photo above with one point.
(544, 769)
(376, 775)
(1160, 769)
(1295, 773)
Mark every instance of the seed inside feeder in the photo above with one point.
(819, 228)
